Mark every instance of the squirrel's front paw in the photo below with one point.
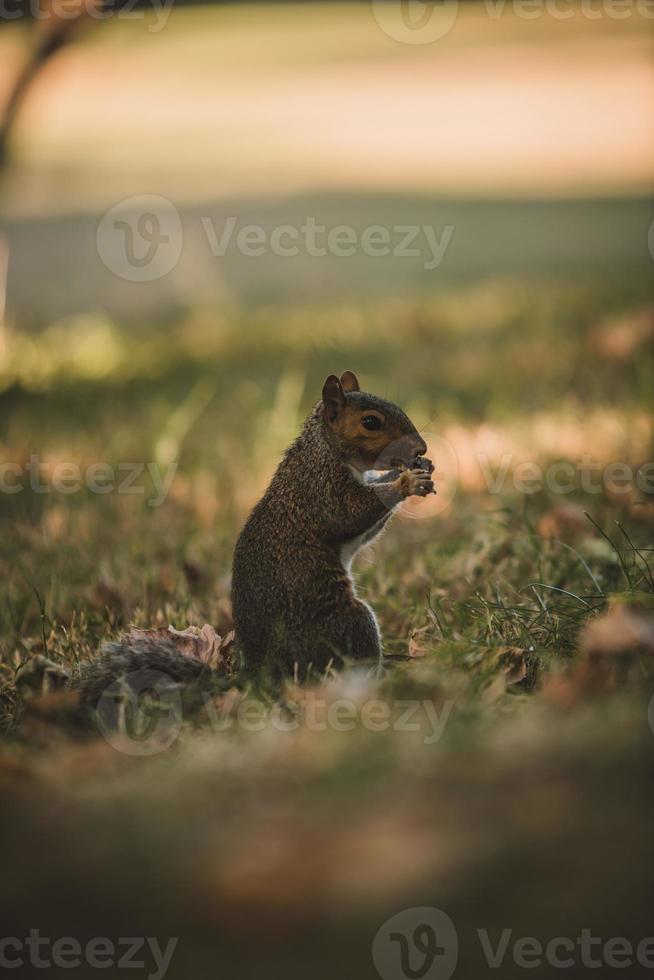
(416, 483)
(422, 464)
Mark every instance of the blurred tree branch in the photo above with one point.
(50, 35)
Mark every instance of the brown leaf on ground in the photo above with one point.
(504, 666)
(418, 641)
(563, 520)
(562, 689)
(643, 510)
(514, 664)
(200, 643)
(619, 339)
(623, 629)
(615, 649)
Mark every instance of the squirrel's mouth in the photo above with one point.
(405, 464)
(383, 465)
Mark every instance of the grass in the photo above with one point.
(528, 808)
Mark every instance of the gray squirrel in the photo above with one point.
(293, 596)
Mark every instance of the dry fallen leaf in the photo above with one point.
(200, 643)
(563, 520)
(618, 339)
(613, 647)
(418, 641)
(623, 629)
(514, 664)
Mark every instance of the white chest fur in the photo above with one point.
(351, 547)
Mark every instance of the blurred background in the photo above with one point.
(138, 329)
(530, 136)
(523, 143)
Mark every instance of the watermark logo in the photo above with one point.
(153, 13)
(440, 470)
(99, 953)
(316, 240)
(68, 477)
(416, 944)
(422, 944)
(140, 239)
(415, 21)
(426, 21)
(140, 713)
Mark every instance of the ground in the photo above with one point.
(527, 769)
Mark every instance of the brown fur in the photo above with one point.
(294, 602)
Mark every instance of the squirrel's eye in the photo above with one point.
(371, 422)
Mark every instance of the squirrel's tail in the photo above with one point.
(133, 676)
(145, 677)
(136, 665)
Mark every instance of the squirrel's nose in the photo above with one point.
(420, 445)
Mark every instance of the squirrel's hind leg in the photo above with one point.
(363, 641)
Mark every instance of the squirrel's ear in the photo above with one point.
(333, 397)
(349, 382)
